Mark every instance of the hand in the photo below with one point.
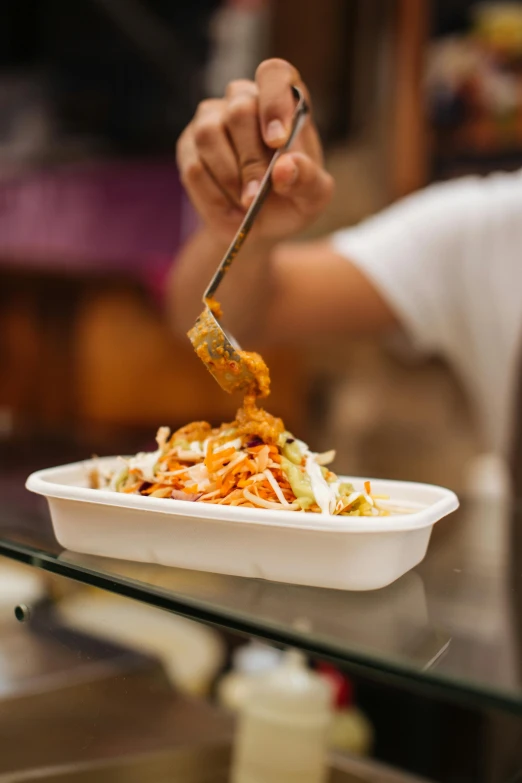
(224, 152)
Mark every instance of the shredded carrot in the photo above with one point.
(230, 472)
(228, 483)
(223, 456)
(134, 488)
(150, 489)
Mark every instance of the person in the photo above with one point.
(443, 265)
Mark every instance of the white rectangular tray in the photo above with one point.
(347, 553)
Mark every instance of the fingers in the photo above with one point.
(275, 79)
(208, 197)
(242, 122)
(228, 141)
(239, 87)
(224, 153)
(299, 178)
(214, 148)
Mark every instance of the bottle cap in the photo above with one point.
(255, 657)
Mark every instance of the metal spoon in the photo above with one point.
(217, 349)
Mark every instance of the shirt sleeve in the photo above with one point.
(412, 253)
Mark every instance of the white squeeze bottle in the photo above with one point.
(249, 662)
(283, 726)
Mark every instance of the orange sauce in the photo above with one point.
(214, 307)
(196, 431)
(257, 366)
(250, 419)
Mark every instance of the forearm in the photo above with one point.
(283, 293)
(245, 293)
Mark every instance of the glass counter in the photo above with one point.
(455, 622)
(443, 642)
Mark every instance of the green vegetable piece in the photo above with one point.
(122, 479)
(298, 480)
(292, 452)
(346, 488)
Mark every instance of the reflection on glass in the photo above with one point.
(454, 620)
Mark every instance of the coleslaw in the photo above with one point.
(251, 462)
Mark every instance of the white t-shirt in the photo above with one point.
(449, 262)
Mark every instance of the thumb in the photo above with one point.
(297, 177)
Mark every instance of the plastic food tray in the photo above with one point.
(346, 553)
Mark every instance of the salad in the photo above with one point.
(251, 462)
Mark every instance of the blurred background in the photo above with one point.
(93, 95)
(92, 99)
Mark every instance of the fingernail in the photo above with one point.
(250, 190)
(275, 131)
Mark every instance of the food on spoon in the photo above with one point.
(234, 370)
